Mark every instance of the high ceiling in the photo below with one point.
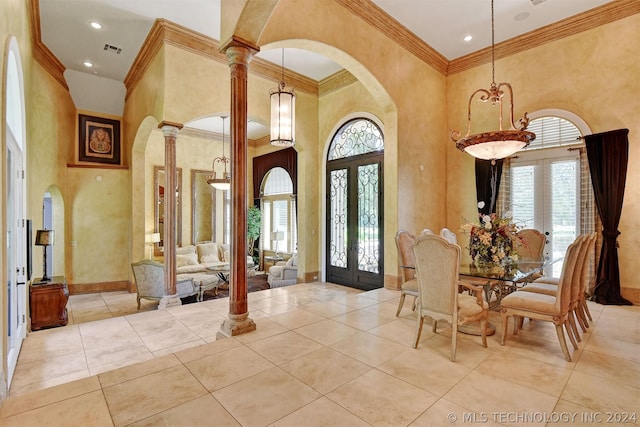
(442, 24)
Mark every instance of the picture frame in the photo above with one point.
(98, 140)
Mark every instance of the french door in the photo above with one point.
(545, 195)
(354, 221)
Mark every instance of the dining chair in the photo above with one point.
(529, 246)
(437, 264)
(449, 235)
(404, 243)
(538, 306)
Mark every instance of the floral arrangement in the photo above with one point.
(491, 239)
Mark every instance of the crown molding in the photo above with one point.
(169, 33)
(378, 18)
(41, 52)
(584, 21)
(335, 81)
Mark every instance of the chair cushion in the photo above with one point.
(193, 268)
(207, 252)
(410, 285)
(531, 301)
(185, 250)
(276, 270)
(468, 306)
(541, 288)
(549, 280)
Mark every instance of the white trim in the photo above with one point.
(582, 126)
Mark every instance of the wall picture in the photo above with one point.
(98, 140)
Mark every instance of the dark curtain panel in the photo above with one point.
(608, 154)
(286, 159)
(488, 175)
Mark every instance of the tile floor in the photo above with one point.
(322, 355)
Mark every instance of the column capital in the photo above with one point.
(170, 128)
(236, 41)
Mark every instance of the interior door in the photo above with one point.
(354, 222)
(545, 195)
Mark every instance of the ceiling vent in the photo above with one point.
(112, 49)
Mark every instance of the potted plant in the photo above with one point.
(254, 221)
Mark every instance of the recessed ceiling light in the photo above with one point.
(88, 64)
(96, 25)
(468, 38)
(521, 16)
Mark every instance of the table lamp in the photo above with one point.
(44, 238)
(277, 236)
(152, 239)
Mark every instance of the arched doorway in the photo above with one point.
(355, 206)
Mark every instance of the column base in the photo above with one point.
(169, 301)
(236, 324)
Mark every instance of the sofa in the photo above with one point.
(284, 273)
(193, 261)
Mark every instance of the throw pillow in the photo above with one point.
(207, 252)
(186, 250)
(186, 259)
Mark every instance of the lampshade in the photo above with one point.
(153, 237)
(500, 143)
(283, 114)
(45, 237)
(224, 181)
(277, 235)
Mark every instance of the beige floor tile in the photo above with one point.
(368, 348)
(37, 347)
(321, 413)
(207, 349)
(623, 328)
(18, 388)
(482, 393)
(445, 413)
(365, 318)
(545, 377)
(600, 395)
(46, 369)
(423, 368)
(612, 368)
(276, 394)
(327, 331)
(296, 318)
(151, 394)
(91, 314)
(115, 331)
(612, 347)
(117, 376)
(203, 411)
(401, 330)
(118, 359)
(325, 370)
(543, 350)
(264, 328)
(85, 410)
(382, 400)
(272, 307)
(228, 367)
(284, 347)
(327, 308)
(176, 348)
(37, 399)
(170, 336)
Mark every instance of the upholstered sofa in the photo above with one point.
(283, 273)
(194, 260)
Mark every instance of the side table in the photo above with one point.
(48, 303)
(270, 261)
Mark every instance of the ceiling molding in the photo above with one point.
(200, 133)
(335, 81)
(584, 21)
(41, 52)
(166, 32)
(378, 18)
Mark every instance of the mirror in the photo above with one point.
(158, 190)
(203, 208)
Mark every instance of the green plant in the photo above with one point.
(254, 222)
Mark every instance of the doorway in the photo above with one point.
(355, 203)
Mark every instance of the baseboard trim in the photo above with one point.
(632, 294)
(311, 276)
(92, 288)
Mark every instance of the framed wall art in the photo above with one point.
(98, 140)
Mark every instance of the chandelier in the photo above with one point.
(495, 144)
(283, 114)
(223, 183)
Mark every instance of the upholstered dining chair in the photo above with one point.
(530, 246)
(449, 235)
(539, 306)
(404, 243)
(437, 264)
(149, 277)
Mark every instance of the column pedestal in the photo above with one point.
(236, 325)
(169, 301)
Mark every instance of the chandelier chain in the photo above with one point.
(493, 47)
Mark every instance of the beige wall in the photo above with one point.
(594, 75)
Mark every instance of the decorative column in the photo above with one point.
(170, 131)
(239, 54)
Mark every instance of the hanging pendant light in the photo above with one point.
(223, 183)
(283, 114)
(496, 144)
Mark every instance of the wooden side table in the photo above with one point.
(48, 303)
(270, 261)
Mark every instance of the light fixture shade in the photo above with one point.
(45, 237)
(495, 145)
(283, 116)
(153, 238)
(277, 235)
(223, 183)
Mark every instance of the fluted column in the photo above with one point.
(170, 131)
(239, 54)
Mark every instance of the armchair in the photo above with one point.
(149, 277)
(284, 273)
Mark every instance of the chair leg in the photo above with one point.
(570, 332)
(454, 341)
(516, 322)
(434, 325)
(483, 329)
(586, 310)
(580, 309)
(563, 342)
(581, 318)
(574, 327)
(505, 320)
(138, 298)
(415, 301)
(402, 295)
(418, 330)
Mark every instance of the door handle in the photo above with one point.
(21, 283)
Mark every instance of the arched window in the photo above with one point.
(278, 207)
(355, 137)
